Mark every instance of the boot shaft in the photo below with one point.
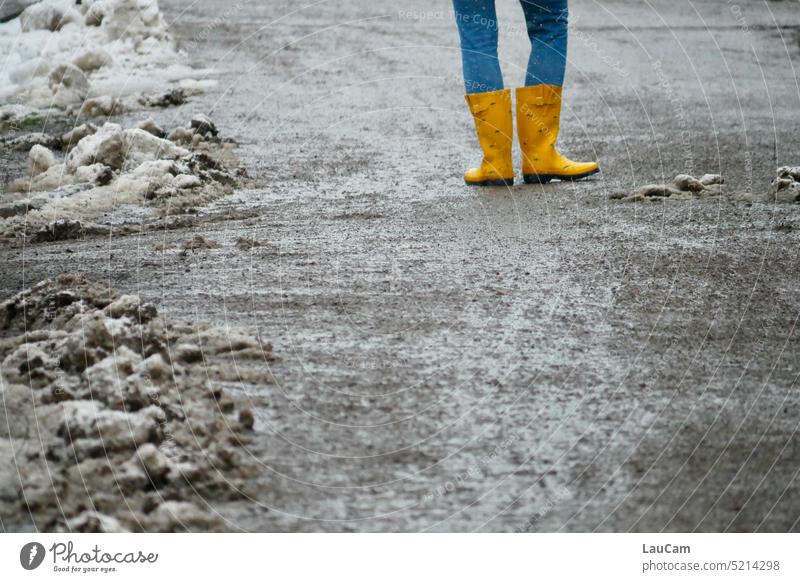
(538, 120)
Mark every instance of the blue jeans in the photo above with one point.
(546, 24)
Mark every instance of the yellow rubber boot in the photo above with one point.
(495, 126)
(538, 122)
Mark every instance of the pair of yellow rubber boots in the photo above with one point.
(538, 121)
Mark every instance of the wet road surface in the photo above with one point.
(539, 358)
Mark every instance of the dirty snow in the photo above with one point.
(103, 168)
(683, 187)
(117, 420)
(786, 186)
(112, 52)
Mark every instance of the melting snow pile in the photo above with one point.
(112, 423)
(786, 187)
(683, 187)
(109, 166)
(62, 52)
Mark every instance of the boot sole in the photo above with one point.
(545, 178)
(498, 182)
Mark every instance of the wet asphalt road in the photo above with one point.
(525, 359)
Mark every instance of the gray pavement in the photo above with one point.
(539, 358)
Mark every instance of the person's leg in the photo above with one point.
(477, 29)
(539, 101)
(546, 21)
